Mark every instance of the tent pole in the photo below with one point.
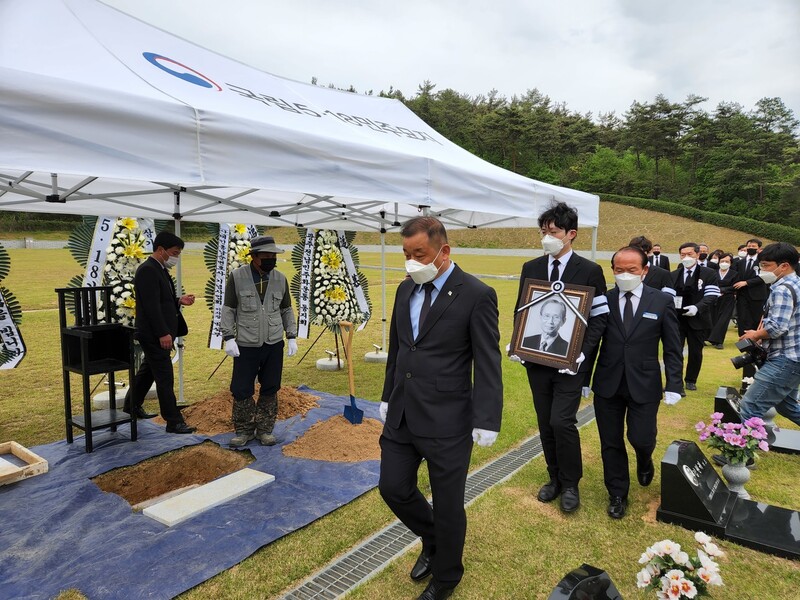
(594, 243)
(176, 215)
(383, 291)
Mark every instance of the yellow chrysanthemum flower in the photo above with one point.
(240, 229)
(129, 223)
(336, 294)
(134, 251)
(332, 259)
(129, 302)
(243, 254)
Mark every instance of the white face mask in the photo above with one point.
(714, 260)
(171, 261)
(768, 276)
(552, 245)
(724, 266)
(688, 262)
(742, 253)
(422, 273)
(627, 282)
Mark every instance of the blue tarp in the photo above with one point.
(60, 531)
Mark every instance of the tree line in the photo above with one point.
(731, 160)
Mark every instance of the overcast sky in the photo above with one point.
(594, 55)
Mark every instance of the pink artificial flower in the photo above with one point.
(763, 446)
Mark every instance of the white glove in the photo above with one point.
(578, 362)
(484, 437)
(585, 391)
(231, 348)
(513, 357)
(291, 344)
(689, 311)
(672, 397)
(383, 409)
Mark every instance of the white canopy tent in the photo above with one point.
(102, 114)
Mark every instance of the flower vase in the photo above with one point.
(737, 474)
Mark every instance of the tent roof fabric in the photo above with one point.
(101, 113)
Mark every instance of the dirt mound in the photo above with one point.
(213, 415)
(338, 440)
(191, 465)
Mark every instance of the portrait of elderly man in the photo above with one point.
(553, 315)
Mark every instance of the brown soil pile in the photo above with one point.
(338, 440)
(173, 470)
(213, 416)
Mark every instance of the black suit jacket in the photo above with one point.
(579, 271)
(756, 290)
(658, 278)
(558, 346)
(709, 265)
(447, 381)
(662, 260)
(156, 305)
(635, 354)
(695, 294)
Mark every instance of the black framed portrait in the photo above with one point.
(550, 323)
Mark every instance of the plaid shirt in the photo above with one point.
(782, 320)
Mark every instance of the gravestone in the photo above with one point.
(585, 583)
(693, 496)
(783, 441)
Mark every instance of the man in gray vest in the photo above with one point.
(256, 312)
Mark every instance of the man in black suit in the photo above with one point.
(443, 391)
(557, 392)
(697, 290)
(553, 315)
(657, 259)
(751, 295)
(158, 323)
(703, 258)
(655, 276)
(627, 382)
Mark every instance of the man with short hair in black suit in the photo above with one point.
(627, 383)
(553, 315)
(697, 290)
(443, 391)
(557, 392)
(157, 325)
(657, 259)
(703, 258)
(751, 294)
(655, 276)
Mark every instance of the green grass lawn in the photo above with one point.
(516, 546)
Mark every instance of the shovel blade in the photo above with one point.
(352, 413)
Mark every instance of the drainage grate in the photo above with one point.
(372, 555)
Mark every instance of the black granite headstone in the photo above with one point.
(585, 583)
(783, 441)
(693, 496)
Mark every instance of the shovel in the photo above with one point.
(352, 413)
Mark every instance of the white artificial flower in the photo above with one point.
(712, 549)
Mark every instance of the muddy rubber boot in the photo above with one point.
(266, 413)
(244, 412)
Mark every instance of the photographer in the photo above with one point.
(776, 382)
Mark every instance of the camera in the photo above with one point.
(751, 354)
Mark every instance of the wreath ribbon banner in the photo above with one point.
(96, 261)
(352, 274)
(215, 340)
(10, 337)
(304, 301)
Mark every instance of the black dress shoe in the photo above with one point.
(645, 475)
(180, 428)
(570, 500)
(140, 413)
(617, 505)
(435, 591)
(691, 386)
(422, 568)
(549, 491)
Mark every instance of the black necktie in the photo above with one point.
(627, 312)
(749, 270)
(426, 304)
(554, 272)
(688, 276)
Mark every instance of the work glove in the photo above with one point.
(291, 344)
(578, 362)
(484, 437)
(672, 397)
(689, 311)
(513, 357)
(383, 410)
(231, 348)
